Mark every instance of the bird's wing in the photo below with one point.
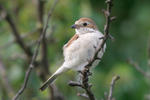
(75, 37)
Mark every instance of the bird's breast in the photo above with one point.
(83, 47)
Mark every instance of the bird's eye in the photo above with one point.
(84, 24)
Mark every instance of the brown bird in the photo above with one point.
(80, 49)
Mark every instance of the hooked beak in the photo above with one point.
(74, 26)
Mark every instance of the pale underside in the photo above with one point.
(81, 49)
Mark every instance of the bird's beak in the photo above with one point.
(74, 26)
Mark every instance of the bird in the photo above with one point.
(80, 49)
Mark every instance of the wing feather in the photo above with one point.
(75, 37)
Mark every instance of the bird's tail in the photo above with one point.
(61, 70)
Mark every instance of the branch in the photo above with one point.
(106, 30)
(45, 63)
(86, 85)
(114, 79)
(148, 52)
(137, 67)
(33, 42)
(83, 95)
(86, 72)
(15, 32)
(31, 65)
(54, 93)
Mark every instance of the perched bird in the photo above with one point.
(80, 49)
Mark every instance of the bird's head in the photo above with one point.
(85, 25)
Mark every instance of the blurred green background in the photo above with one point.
(131, 31)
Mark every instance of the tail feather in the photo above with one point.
(61, 70)
(48, 82)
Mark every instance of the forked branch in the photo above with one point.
(86, 72)
(31, 65)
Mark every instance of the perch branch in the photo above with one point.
(114, 79)
(86, 72)
(31, 65)
(137, 67)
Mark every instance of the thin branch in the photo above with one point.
(138, 68)
(106, 30)
(83, 95)
(148, 52)
(45, 63)
(86, 85)
(31, 65)
(25, 35)
(86, 72)
(74, 84)
(16, 56)
(54, 93)
(15, 32)
(114, 79)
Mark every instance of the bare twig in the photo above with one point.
(114, 79)
(25, 35)
(54, 93)
(85, 73)
(31, 65)
(5, 80)
(45, 63)
(137, 67)
(86, 85)
(72, 83)
(106, 30)
(148, 53)
(83, 95)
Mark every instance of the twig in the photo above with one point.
(114, 79)
(148, 53)
(25, 35)
(31, 65)
(15, 32)
(32, 43)
(137, 67)
(83, 95)
(54, 93)
(73, 84)
(85, 73)
(106, 30)
(45, 63)
(86, 85)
